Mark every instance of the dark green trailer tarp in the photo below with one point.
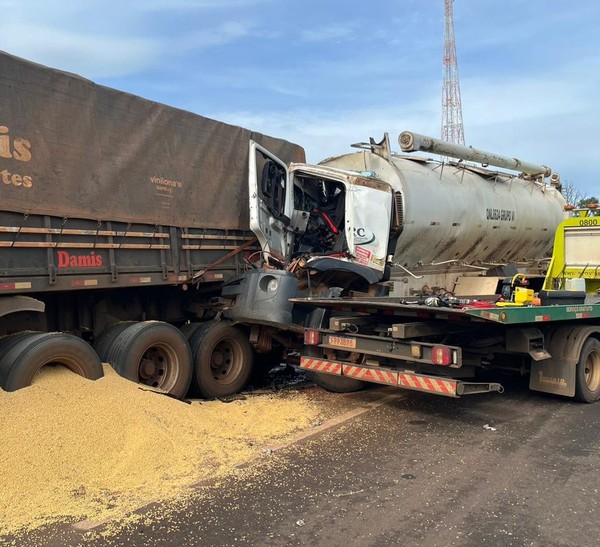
(75, 149)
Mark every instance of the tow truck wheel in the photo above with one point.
(588, 372)
(223, 359)
(153, 353)
(331, 382)
(27, 353)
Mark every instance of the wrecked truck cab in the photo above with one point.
(319, 218)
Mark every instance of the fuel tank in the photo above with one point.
(450, 213)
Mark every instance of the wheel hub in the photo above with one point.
(221, 361)
(152, 367)
(592, 371)
(147, 369)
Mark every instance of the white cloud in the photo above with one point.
(329, 33)
(518, 99)
(189, 5)
(220, 35)
(92, 55)
(327, 133)
(99, 55)
(541, 118)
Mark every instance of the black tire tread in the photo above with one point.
(331, 382)
(124, 356)
(29, 353)
(202, 342)
(107, 337)
(582, 391)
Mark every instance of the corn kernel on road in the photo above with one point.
(74, 450)
(415, 471)
(394, 468)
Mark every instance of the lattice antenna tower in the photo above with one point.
(452, 119)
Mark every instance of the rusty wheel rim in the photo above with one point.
(159, 367)
(592, 370)
(226, 361)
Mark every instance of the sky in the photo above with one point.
(329, 73)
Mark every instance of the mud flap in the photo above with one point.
(553, 376)
(557, 374)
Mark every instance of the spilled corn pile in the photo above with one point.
(73, 450)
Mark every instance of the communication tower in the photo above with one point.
(452, 119)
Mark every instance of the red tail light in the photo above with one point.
(441, 355)
(311, 337)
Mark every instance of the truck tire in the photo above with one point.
(27, 353)
(223, 359)
(189, 329)
(155, 354)
(6, 344)
(192, 332)
(331, 382)
(587, 375)
(337, 384)
(108, 336)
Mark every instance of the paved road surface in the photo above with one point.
(415, 470)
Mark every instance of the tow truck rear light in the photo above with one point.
(311, 337)
(441, 355)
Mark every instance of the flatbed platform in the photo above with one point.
(517, 315)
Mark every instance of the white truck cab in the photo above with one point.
(329, 217)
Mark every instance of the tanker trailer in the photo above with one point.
(447, 224)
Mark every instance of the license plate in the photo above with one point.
(341, 342)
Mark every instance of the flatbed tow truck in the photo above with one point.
(444, 345)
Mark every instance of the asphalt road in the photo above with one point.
(403, 469)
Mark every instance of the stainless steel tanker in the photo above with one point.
(462, 213)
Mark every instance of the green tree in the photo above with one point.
(587, 201)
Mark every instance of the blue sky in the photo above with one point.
(329, 73)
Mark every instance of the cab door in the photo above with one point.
(368, 221)
(271, 203)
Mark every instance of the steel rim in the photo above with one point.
(592, 370)
(226, 361)
(159, 367)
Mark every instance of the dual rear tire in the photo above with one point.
(218, 358)
(23, 354)
(151, 353)
(223, 359)
(214, 358)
